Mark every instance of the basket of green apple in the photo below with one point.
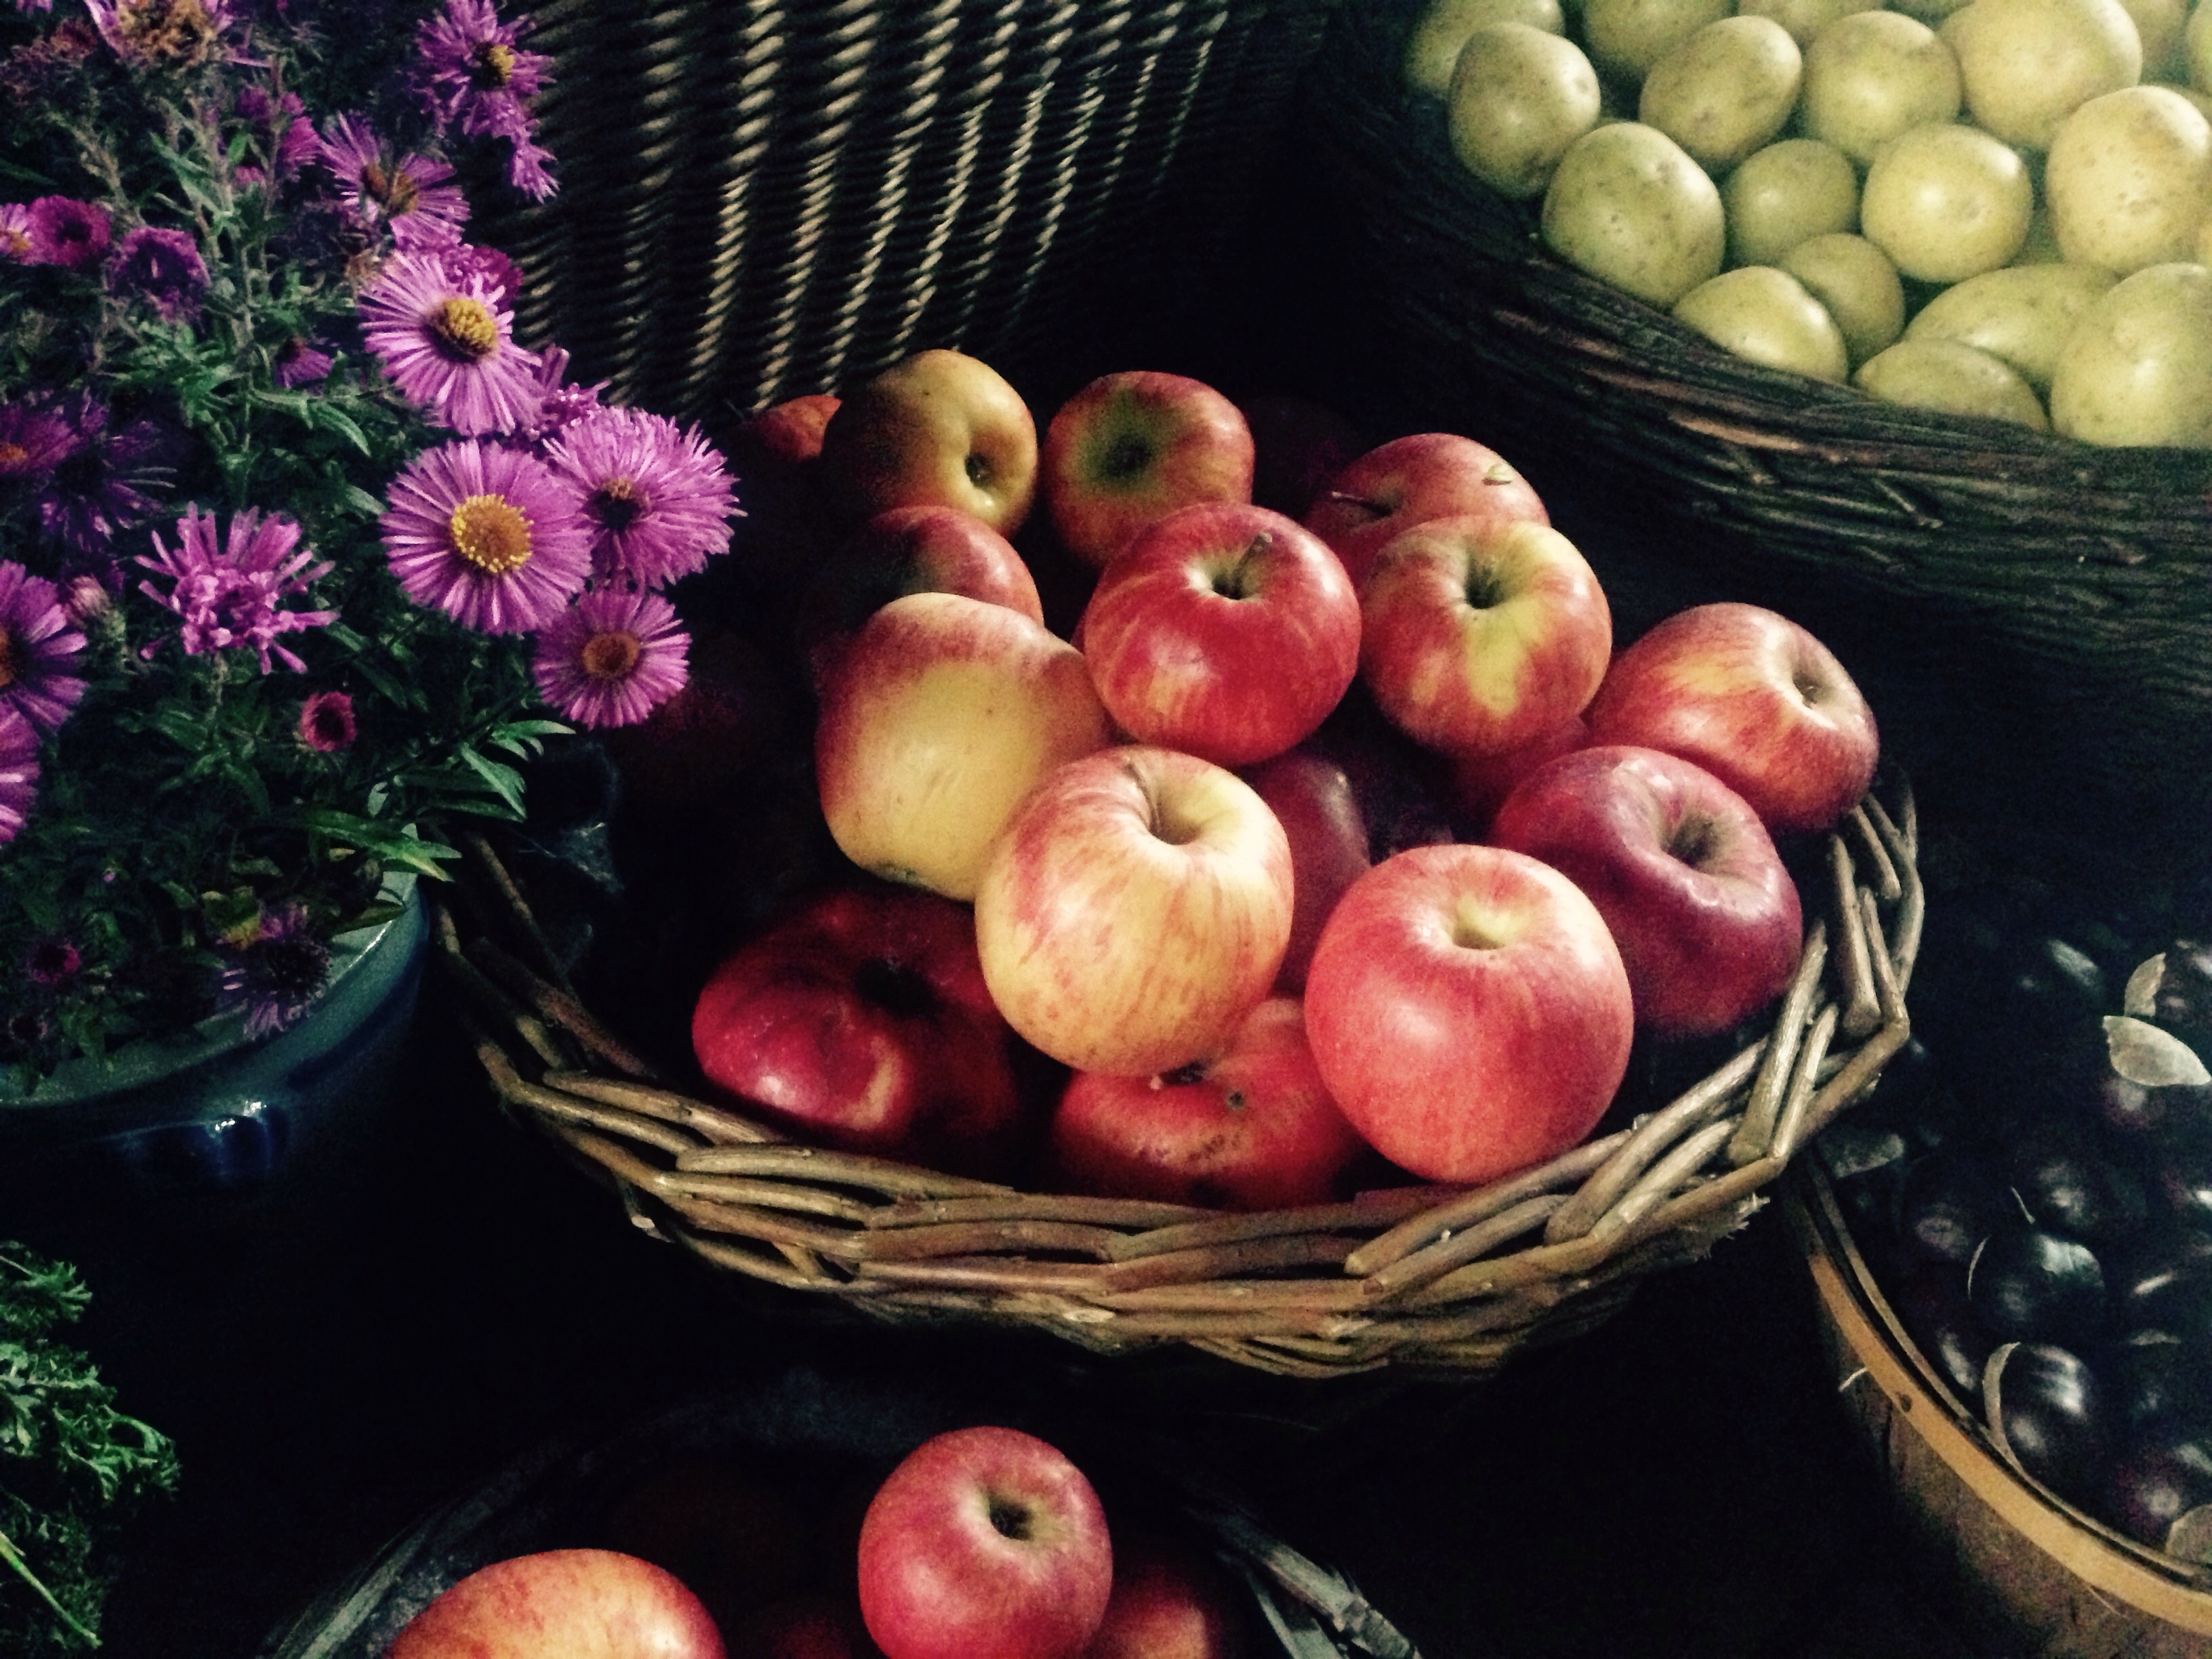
(818, 1517)
(1324, 951)
(1897, 318)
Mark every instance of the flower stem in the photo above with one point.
(11, 1556)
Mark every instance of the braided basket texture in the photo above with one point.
(2061, 592)
(1432, 1279)
(763, 198)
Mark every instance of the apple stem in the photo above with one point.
(1236, 583)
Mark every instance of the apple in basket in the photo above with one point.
(1130, 448)
(941, 427)
(1479, 637)
(1478, 784)
(1224, 630)
(1707, 920)
(985, 1543)
(1469, 1012)
(1169, 1603)
(810, 1626)
(1298, 447)
(580, 1604)
(1409, 481)
(1754, 698)
(1136, 909)
(909, 550)
(1314, 799)
(1251, 1128)
(862, 1020)
(791, 431)
(941, 715)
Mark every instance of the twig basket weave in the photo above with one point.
(2066, 591)
(762, 199)
(1428, 1278)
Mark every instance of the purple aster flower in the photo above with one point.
(68, 232)
(528, 170)
(475, 77)
(103, 485)
(52, 961)
(33, 441)
(298, 362)
(14, 233)
(447, 342)
(177, 33)
(228, 595)
(29, 6)
(408, 194)
(19, 773)
(36, 644)
(326, 722)
(611, 656)
(557, 403)
(277, 966)
(85, 600)
(657, 496)
(504, 276)
(489, 535)
(290, 137)
(163, 267)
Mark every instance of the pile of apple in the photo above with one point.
(985, 1543)
(1140, 850)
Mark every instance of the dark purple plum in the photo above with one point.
(2031, 1285)
(2043, 1405)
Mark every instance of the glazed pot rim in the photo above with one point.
(152, 1060)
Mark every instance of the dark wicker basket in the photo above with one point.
(2035, 611)
(762, 199)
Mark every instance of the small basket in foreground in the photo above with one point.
(2043, 607)
(1432, 1279)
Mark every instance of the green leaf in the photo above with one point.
(505, 783)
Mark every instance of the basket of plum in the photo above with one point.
(2012, 1247)
(1258, 910)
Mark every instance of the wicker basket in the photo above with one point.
(2021, 1560)
(2032, 608)
(1427, 1277)
(762, 199)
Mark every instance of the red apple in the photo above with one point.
(1134, 911)
(580, 1604)
(1469, 1012)
(1131, 448)
(1253, 1128)
(1169, 1603)
(700, 743)
(940, 427)
(985, 1543)
(811, 1626)
(909, 550)
(1684, 874)
(730, 1535)
(1409, 481)
(1225, 631)
(1479, 637)
(942, 714)
(862, 1020)
(1313, 798)
(1480, 783)
(1298, 447)
(791, 431)
(1755, 699)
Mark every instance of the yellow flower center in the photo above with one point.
(494, 66)
(490, 532)
(393, 188)
(14, 244)
(465, 329)
(7, 659)
(610, 656)
(169, 31)
(12, 456)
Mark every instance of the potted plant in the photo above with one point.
(303, 555)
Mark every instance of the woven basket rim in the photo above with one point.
(1450, 1279)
